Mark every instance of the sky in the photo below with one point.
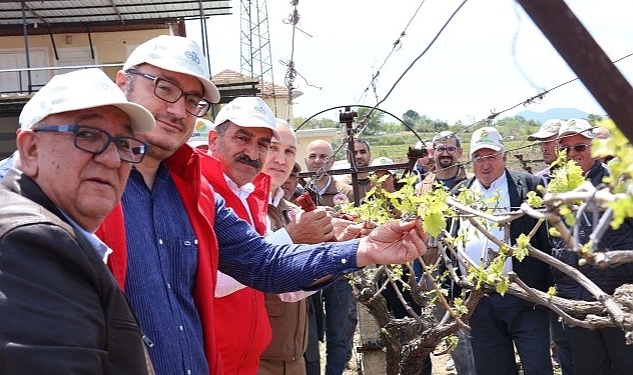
(490, 56)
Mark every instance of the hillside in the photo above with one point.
(561, 113)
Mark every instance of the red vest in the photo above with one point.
(242, 325)
(197, 197)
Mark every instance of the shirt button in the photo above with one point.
(344, 261)
(180, 327)
(160, 241)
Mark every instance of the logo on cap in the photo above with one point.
(261, 110)
(193, 57)
(485, 137)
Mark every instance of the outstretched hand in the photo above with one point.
(393, 242)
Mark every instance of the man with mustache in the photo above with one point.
(172, 233)
(238, 145)
(447, 150)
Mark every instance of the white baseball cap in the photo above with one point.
(200, 135)
(548, 129)
(575, 126)
(177, 54)
(383, 160)
(486, 137)
(82, 89)
(248, 112)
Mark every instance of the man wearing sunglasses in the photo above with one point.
(172, 233)
(602, 350)
(61, 310)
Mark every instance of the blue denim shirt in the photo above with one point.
(162, 265)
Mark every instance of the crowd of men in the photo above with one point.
(125, 250)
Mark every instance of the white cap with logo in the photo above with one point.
(82, 89)
(200, 135)
(383, 160)
(576, 126)
(248, 112)
(486, 137)
(177, 54)
(548, 129)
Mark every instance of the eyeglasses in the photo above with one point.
(169, 92)
(577, 148)
(489, 158)
(96, 141)
(449, 149)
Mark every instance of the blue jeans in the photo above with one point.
(499, 323)
(338, 326)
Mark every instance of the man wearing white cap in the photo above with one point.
(501, 323)
(167, 231)
(601, 350)
(389, 183)
(546, 137)
(238, 145)
(200, 137)
(61, 310)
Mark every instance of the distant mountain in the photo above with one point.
(561, 113)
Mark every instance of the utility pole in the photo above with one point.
(255, 51)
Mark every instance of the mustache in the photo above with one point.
(170, 120)
(243, 158)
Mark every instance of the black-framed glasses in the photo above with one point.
(96, 141)
(449, 149)
(169, 92)
(578, 148)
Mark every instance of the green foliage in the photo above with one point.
(534, 200)
(381, 205)
(432, 209)
(522, 248)
(566, 176)
(459, 308)
(373, 121)
(621, 171)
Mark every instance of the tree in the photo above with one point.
(372, 121)
(411, 117)
(408, 341)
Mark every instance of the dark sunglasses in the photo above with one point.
(577, 148)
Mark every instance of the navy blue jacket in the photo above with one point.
(606, 279)
(533, 272)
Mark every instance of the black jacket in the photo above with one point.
(61, 311)
(533, 272)
(606, 279)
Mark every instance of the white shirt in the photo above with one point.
(477, 246)
(225, 284)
